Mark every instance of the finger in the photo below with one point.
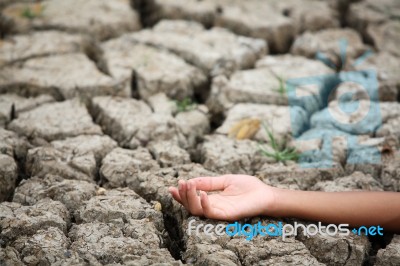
(210, 183)
(193, 199)
(208, 210)
(175, 194)
(183, 193)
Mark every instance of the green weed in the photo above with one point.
(31, 13)
(280, 152)
(282, 87)
(185, 105)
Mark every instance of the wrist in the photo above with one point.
(281, 204)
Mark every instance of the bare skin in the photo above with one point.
(242, 196)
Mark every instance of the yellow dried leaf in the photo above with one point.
(101, 191)
(157, 206)
(245, 129)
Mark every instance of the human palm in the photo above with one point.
(239, 196)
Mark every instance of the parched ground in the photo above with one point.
(97, 120)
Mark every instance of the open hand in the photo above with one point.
(240, 196)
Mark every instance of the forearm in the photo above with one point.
(354, 208)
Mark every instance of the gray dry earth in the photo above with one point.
(91, 136)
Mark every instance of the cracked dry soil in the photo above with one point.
(91, 134)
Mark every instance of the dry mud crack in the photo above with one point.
(105, 104)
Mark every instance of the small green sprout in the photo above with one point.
(185, 105)
(31, 13)
(27, 13)
(280, 152)
(282, 86)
